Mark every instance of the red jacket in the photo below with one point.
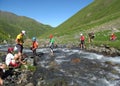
(82, 38)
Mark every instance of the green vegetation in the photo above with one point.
(101, 17)
(103, 38)
(11, 25)
(28, 67)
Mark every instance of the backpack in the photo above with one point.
(91, 35)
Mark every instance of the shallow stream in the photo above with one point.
(75, 67)
(79, 68)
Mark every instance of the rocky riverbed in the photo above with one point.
(68, 67)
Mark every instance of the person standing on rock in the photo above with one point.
(19, 45)
(51, 44)
(82, 41)
(34, 46)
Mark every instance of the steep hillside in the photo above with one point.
(11, 24)
(97, 13)
(100, 15)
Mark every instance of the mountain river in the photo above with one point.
(75, 67)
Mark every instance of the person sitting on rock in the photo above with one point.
(113, 37)
(1, 74)
(11, 59)
(2, 71)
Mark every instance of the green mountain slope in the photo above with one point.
(100, 15)
(11, 25)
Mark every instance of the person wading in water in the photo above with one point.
(51, 44)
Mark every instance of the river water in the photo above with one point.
(76, 67)
(80, 68)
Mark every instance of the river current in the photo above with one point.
(76, 67)
(80, 68)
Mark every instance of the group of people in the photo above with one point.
(82, 39)
(35, 45)
(14, 57)
(91, 36)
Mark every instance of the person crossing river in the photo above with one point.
(34, 46)
(51, 44)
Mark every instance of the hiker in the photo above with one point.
(82, 41)
(51, 44)
(91, 36)
(1, 74)
(3, 66)
(34, 46)
(10, 59)
(19, 45)
(113, 37)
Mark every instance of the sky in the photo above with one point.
(48, 12)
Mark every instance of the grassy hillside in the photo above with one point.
(101, 17)
(11, 24)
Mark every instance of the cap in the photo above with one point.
(34, 39)
(23, 32)
(10, 49)
(51, 36)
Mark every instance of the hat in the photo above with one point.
(51, 36)
(81, 34)
(34, 39)
(10, 49)
(23, 32)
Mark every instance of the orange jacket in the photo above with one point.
(35, 45)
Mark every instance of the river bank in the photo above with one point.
(102, 49)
